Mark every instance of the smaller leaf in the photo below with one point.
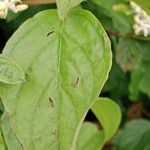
(10, 72)
(90, 137)
(109, 114)
(140, 80)
(127, 54)
(64, 7)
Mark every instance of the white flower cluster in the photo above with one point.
(13, 5)
(142, 20)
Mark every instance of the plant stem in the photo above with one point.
(36, 2)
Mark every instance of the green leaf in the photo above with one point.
(140, 74)
(136, 76)
(64, 7)
(144, 85)
(136, 134)
(121, 21)
(145, 45)
(109, 115)
(66, 64)
(10, 72)
(127, 54)
(90, 137)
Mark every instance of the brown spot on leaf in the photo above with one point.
(8, 114)
(55, 133)
(48, 34)
(51, 102)
(76, 83)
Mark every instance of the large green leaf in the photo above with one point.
(64, 6)
(136, 134)
(66, 64)
(10, 72)
(109, 115)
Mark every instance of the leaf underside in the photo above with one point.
(66, 64)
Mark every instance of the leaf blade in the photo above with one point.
(61, 86)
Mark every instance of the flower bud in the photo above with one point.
(2, 14)
(21, 7)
